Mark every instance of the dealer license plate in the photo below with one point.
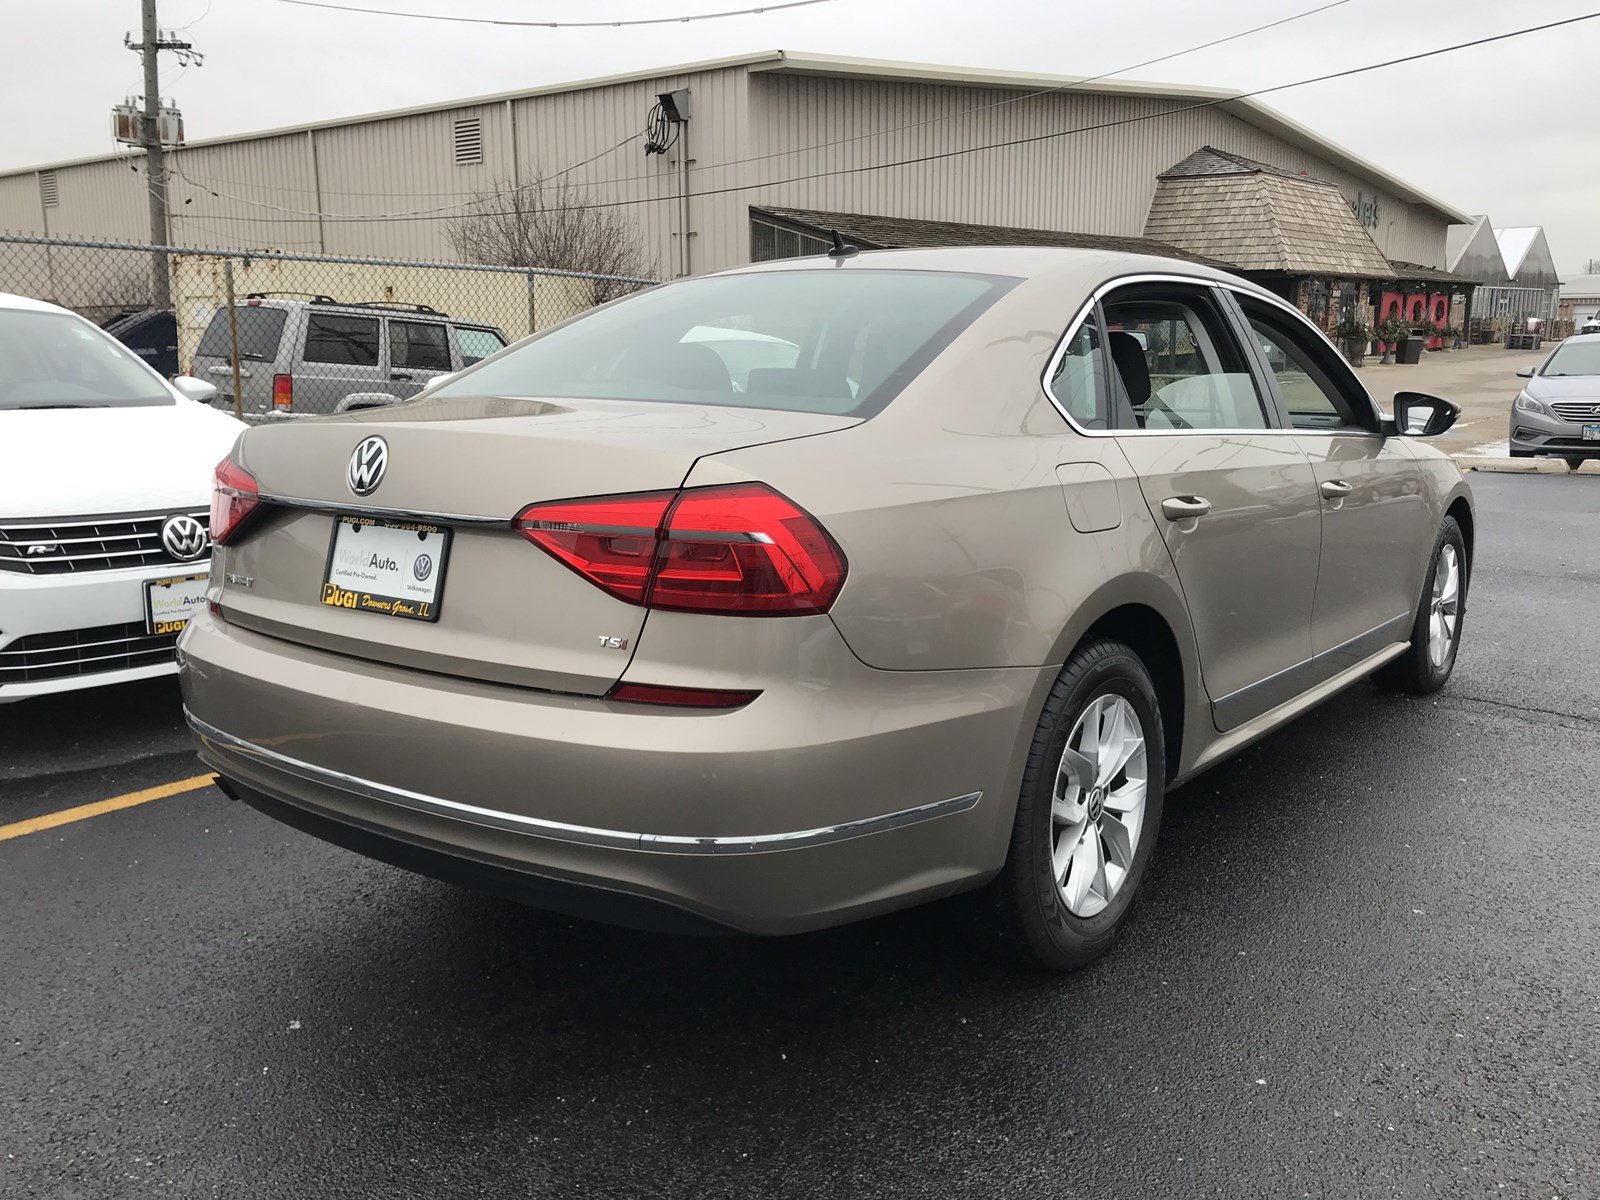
(1591, 433)
(391, 568)
(169, 603)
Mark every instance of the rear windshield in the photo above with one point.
(260, 330)
(1574, 358)
(55, 360)
(840, 341)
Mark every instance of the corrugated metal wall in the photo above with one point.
(392, 186)
(1098, 181)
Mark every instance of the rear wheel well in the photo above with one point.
(1146, 632)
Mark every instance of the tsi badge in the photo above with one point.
(613, 643)
(368, 462)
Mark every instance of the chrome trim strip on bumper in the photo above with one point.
(659, 843)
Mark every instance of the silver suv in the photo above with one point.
(307, 355)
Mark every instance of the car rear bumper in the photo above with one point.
(801, 810)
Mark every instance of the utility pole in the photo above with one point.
(149, 46)
(155, 158)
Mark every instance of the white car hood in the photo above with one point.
(73, 462)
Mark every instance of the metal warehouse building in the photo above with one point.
(765, 133)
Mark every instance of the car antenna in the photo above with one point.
(842, 249)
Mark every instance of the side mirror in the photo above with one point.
(1418, 414)
(1525, 373)
(194, 389)
(438, 380)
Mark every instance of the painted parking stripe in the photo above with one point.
(100, 807)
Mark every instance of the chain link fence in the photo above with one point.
(294, 334)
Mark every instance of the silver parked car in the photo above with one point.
(1019, 540)
(305, 356)
(1558, 410)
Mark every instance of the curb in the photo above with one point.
(1522, 466)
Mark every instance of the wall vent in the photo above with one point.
(49, 196)
(469, 141)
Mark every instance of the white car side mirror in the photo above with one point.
(194, 389)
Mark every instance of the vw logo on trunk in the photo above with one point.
(367, 465)
(183, 537)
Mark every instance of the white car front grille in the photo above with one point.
(67, 545)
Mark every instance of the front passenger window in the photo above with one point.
(1306, 372)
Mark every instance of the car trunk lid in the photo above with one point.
(506, 611)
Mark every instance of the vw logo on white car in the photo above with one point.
(367, 465)
(184, 537)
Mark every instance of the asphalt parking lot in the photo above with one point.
(1365, 964)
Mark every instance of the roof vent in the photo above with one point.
(468, 141)
(49, 196)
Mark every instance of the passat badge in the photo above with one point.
(367, 465)
(183, 537)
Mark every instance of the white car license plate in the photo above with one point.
(169, 603)
(391, 568)
(1591, 433)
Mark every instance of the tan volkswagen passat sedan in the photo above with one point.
(981, 554)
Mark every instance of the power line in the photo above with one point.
(1041, 137)
(480, 197)
(388, 12)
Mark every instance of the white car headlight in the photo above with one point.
(1526, 403)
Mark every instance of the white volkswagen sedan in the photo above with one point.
(105, 486)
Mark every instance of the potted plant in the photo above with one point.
(1391, 331)
(1442, 333)
(1353, 338)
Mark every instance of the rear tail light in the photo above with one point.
(234, 496)
(282, 391)
(742, 548)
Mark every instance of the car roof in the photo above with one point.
(355, 307)
(28, 304)
(1061, 263)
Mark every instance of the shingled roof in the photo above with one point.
(1258, 218)
(890, 233)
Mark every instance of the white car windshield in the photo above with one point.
(55, 360)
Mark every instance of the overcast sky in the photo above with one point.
(1507, 129)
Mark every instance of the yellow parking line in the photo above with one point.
(84, 811)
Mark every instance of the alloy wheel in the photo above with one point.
(1444, 606)
(1098, 805)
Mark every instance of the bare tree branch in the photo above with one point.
(550, 224)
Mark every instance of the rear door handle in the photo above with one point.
(401, 375)
(1179, 508)
(1336, 489)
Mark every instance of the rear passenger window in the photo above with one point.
(1178, 362)
(334, 338)
(1076, 381)
(477, 344)
(419, 345)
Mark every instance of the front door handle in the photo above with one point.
(1336, 489)
(1181, 508)
(407, 375)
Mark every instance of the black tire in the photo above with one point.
(1414, 671)
(1032, 915)
(1576, 461)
